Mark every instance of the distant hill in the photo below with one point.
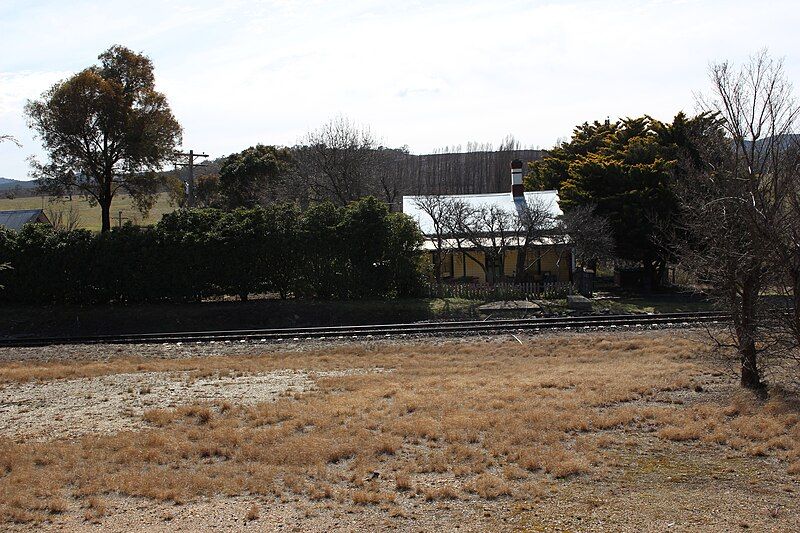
(8, 182)
(786, 141)
(18, 187)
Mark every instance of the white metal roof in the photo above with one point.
(504, 200)
(16, 219)
(432, 245)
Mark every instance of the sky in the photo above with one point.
(422, 74)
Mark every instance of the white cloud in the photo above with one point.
(425, 74)
(16, 88)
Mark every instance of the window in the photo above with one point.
(447, 265)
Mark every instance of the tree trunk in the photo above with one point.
(746, 337)
(661, 273)
(751, 379)
(522, 255)
(104, 199)
(795, 325)
(105, 209)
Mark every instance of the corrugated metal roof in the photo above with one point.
(16, 219)
(431, 245)
(503, 200)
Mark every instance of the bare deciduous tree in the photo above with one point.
(590, 235)
(489, 230)
(10, 138)
(342, 161)
(459, 227)
(737, 200)
(63, 215)
(438, 208)
(338, 160)
(472, 169)
(534, 222)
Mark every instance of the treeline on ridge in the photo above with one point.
(263, 174)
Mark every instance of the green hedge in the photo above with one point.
(359, 251)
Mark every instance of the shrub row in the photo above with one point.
(358, 251)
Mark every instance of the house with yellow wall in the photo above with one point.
(479, 257)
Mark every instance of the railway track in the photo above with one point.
(386, 330)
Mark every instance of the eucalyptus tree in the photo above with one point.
(106, 130)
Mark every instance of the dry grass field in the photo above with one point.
(581, 432)
(89, 216)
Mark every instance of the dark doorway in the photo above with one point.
(494, 269)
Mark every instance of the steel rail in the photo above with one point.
(385, 330)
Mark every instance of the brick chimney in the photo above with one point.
(517, 189)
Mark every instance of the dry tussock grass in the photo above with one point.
(489, 486)
(453, 421)
(253, 513)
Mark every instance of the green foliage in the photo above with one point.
(405, 263)
(357, 251)
(282, 255)
(255, 242)
(43, 259)
(626, 169)
(550, 172)
(7, 249)
(364, 222)
(185, 250)
(207, 190)
(253, 175)
(320, 258)
(120, 265)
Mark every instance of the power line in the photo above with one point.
(190, 157)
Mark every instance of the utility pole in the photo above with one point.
(190, 157)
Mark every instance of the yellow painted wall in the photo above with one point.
(549, 257)
(510, 263)
(473, 269)
(558, 266)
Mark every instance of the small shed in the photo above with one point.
(16, 219)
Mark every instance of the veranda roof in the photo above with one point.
(430, 245)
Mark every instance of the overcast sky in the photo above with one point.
(425, 74)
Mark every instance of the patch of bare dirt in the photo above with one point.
(67, 408)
